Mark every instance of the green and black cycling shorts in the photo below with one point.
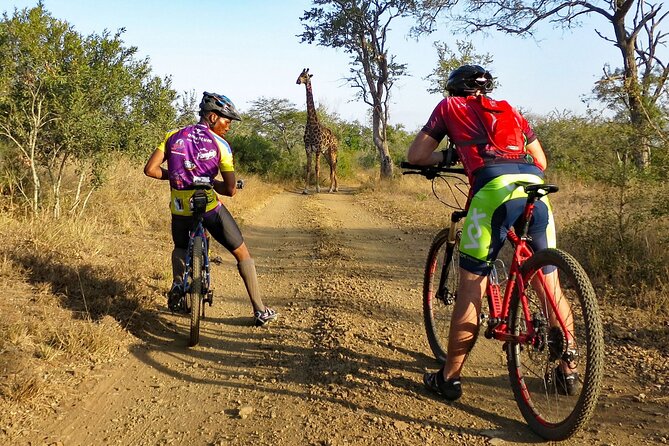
(494, 209)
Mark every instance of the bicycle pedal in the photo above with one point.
(210, 298)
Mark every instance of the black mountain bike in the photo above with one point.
(197, 277)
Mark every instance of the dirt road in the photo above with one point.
(342, 366)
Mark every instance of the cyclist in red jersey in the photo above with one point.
(195, 155)
(495, 204)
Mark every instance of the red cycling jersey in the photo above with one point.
(455, 118)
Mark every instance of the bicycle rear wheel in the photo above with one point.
(196, 293)
(440, 288)
(556, 408)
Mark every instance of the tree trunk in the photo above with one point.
(57, 188)
(36, 187)
(83, 206)
(642, 149)
(381, 142)
(77, 195)
(632, 90)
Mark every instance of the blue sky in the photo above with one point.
(247, 49)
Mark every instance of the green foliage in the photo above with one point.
(188, 107)
(355, 136)
(73, 100)
(622, 240)
(254, 153)
(289, 167)
(449, 60)
(277, 120)
(625, 249)
(399, 141)
(586, 147)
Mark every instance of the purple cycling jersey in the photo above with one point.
(195, 155)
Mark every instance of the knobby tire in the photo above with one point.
(196, 295)
(442, 259)
(548, 410)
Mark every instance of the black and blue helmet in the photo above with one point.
(219, 104)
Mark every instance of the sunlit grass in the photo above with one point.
(76, 287)
(626, 257)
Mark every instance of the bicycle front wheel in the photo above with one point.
(556, 374)
(196, 292)
(440, 288)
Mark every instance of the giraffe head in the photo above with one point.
(304, 77)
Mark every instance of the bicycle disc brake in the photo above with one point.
(557, 344)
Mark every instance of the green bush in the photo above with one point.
(289, 167)
(624, 251)
(254, 153)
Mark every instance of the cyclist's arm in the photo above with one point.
(534, 148)
(422, 151)
(228, 186)
(153, 169)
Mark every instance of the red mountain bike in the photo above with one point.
(544, 310)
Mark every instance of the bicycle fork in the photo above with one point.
(206, 276)
(454, 232)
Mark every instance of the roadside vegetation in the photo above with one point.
(82, 228)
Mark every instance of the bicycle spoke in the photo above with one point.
(556, 375)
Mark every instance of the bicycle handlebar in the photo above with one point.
(239, 184)
(430, 172)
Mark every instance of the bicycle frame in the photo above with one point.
(197, 230)
(498, 304)
(546, 305)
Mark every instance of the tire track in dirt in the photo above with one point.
(167, 393)
(369, 331)
(342, 365)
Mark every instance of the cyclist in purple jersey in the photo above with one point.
(195, 156)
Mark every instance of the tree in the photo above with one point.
(278, 120)
(449, 60)
(188, 108)
(68, 100)
(360, 27)
(635, 31)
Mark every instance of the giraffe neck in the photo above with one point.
(312, 118)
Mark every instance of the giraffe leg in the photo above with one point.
(333, 172)
(306, 184)
(318, 171)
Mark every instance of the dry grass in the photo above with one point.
(22, 390)
(628, 264)
(76, 289)
(410, 201)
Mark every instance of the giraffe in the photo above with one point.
(318, 139)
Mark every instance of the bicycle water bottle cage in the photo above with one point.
(199, 202)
